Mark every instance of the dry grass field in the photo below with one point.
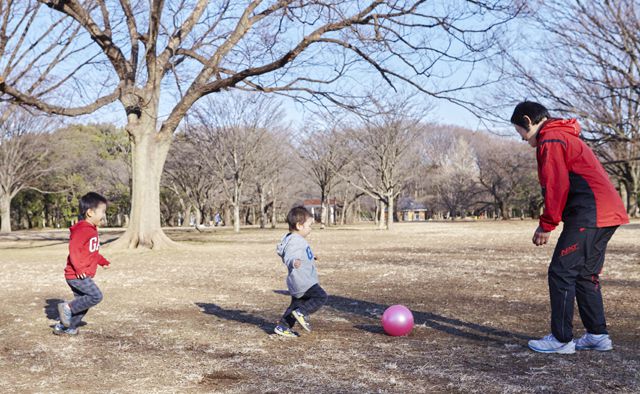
(199, 318)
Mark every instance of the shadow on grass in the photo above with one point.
(448, 325)
(237, 315)
(51, 311)
(51, 308)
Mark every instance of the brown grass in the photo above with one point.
(198, 319)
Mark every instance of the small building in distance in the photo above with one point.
(411, 211)
(333, 208)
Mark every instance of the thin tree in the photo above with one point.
(23, 150)
(324, 156)
(273, 154)
(457, 177)
(384, 154)
(505, 168)
(231, 133)
(187, 176)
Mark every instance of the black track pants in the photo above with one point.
(574, 274)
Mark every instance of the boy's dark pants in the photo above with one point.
(573, 273)
(312, 300)
(87, 294)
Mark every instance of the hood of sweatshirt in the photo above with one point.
(81, 224)
(285, 241)
(568, 126)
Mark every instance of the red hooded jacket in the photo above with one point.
(575, 186)
(84, 257)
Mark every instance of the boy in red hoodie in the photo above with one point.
(578, 192)
(82, 263)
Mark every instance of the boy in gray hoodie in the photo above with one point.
(302, 280)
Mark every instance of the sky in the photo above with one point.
(449, 74)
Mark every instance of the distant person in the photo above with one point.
(307, 296)
(82, 262)
(578, 192)
(217, 219)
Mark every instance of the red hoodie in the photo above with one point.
(575, 186)
(84, 257)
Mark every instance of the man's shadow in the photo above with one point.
(51, 310)
(237, 315)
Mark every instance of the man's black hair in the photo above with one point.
(297, 215)
(89, 201)
(535, 111)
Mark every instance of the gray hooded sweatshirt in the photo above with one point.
(294, 247)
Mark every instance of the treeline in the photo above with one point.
(236, 162)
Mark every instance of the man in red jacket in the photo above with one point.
(578, 192)
(82, 263)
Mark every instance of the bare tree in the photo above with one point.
(384, 154)
(22, 152)
(159, 58)
(349, 195)
(272, 156)
(594, 73)
(186, 175)
(231, 133)
(324, 156)
(505, 169)
(457, 176)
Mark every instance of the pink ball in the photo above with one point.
(397, 320)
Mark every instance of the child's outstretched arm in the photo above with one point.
(104, 263)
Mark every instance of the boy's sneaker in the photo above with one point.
(550, 344)
(59, 329)
(302, 319)
(71, 331)
(64, 313)
(285, 331)
(601, 343)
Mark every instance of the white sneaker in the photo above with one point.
(550, 344)
(601, 343)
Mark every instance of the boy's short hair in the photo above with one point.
(89, 201)
(297, 215)
(535, 111)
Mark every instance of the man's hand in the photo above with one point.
(540, 237)
(81, 276)
(297, 263)
(106, 267)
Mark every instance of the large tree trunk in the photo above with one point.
(236, 218)
(5, 209)
(263, 214)
(382, 223)
(186, 216)
(505, 209)
(323, 207)
(226, 214)
(236, 208)
(149, 152)
(633, 188)
(390, 212)
(273, 208)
